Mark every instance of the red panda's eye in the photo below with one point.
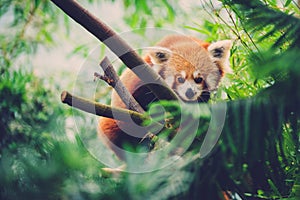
(198, 80)
(160, 55)
(180, 80)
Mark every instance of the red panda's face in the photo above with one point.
(189, 87)
(191, 70)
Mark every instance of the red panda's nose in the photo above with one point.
(189, 93)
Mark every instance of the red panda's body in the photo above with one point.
(191, 67)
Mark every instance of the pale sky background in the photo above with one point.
(53, 61)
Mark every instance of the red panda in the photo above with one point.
(191, 67)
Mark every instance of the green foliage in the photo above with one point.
(62, 171)
(27, 24)
(269, 22)
(23, 94)
(257, 129)
(140, 13)
(35, 157)
(27, 114)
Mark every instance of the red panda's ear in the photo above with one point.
(220, 53)
(158, 55)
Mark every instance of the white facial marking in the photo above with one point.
(189, 90)
(183, 74)
(196, 74)
(156, 68)
(170, 80)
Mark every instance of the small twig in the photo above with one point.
(124, 94)
(109, 81)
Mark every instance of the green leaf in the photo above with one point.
(287, 3)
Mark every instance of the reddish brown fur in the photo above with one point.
(188, 52)
(191, 52)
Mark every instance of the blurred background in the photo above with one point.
(49, 150)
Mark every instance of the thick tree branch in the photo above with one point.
(128, 56)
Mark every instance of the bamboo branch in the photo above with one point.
(110, 112)
(128, 56)
(102, 110)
